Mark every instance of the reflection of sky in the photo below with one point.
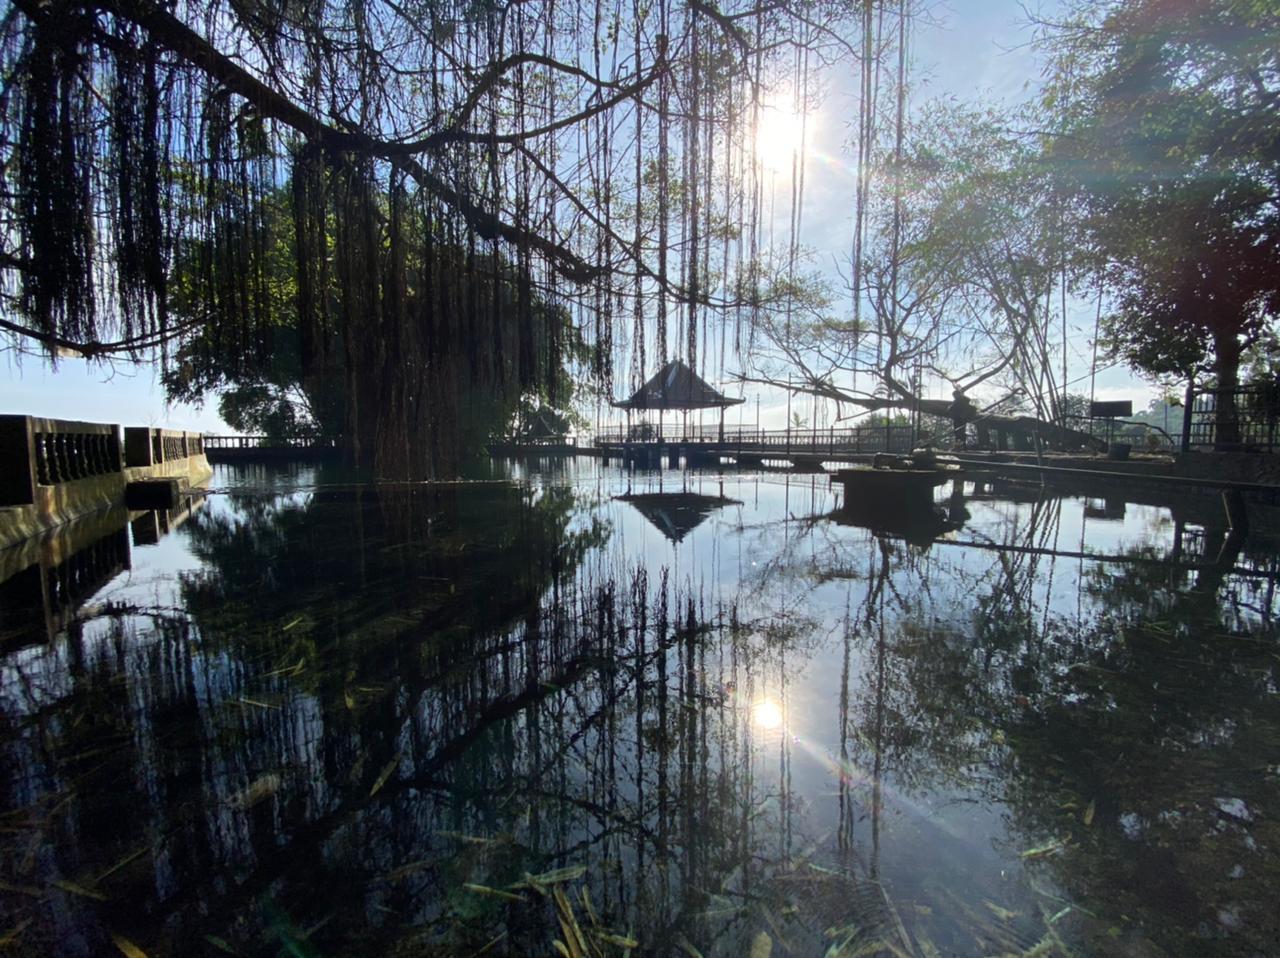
(794, 577)
(763, 556)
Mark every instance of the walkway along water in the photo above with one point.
(55, 470)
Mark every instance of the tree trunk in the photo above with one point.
(1226, 368)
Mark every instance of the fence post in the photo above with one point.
(1186, 414)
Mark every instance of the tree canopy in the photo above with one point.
(1166, 146)
(597, 148)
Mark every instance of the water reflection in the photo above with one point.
(675, 514)
(339, 718)
(45, 580)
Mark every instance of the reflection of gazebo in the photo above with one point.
(676, 386)
(676, 514)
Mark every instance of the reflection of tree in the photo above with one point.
(1142, 723)
(381, 710)
(1147, 709)
(354, 774)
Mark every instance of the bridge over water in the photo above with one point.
(798, 447)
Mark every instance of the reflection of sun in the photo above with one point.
(779, 136)
(766, 715)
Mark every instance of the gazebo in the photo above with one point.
(676, 387)
(539, 428)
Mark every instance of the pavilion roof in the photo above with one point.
(538, 426)
(676, 386)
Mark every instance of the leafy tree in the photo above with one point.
(964, 252)
(265, 387)
(1166, 152)
(453, 134)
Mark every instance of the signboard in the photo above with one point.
(1117, 409)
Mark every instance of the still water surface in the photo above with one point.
(676, 713)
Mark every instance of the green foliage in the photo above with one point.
(1164, 115)
(267, 389)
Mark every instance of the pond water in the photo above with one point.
(659, 713)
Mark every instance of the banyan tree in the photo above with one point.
(456, 173)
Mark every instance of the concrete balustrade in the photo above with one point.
(53, 470)
(145, 446)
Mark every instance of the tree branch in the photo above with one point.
(181, 40)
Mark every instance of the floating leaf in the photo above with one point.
(761, 945)
(586, 903)
(12, 935)
(683, 943)
(256, 704)
(1056, 845)
(492, 892)
(576, 942)
(220, 944)
(74, 889)
(385, 774)
(292, 624)
(287, 670)
(127, 948)
(1088, 813)
(21, 889)
(622, 941)
(397, 873)
(468, 839)
(556, 876)
(927, 947)
(490, 944)
(124, 861)
(1004, 914)
(263, 787)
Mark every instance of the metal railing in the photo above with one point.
(1257, 419)
(859, 439)
(225, 441)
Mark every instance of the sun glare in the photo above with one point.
(779, 136)
(766, 715)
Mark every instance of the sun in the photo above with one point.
(780, 133)
(766, 715)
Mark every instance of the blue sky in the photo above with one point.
(120, 393)
(974, 48)
(969, 50)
